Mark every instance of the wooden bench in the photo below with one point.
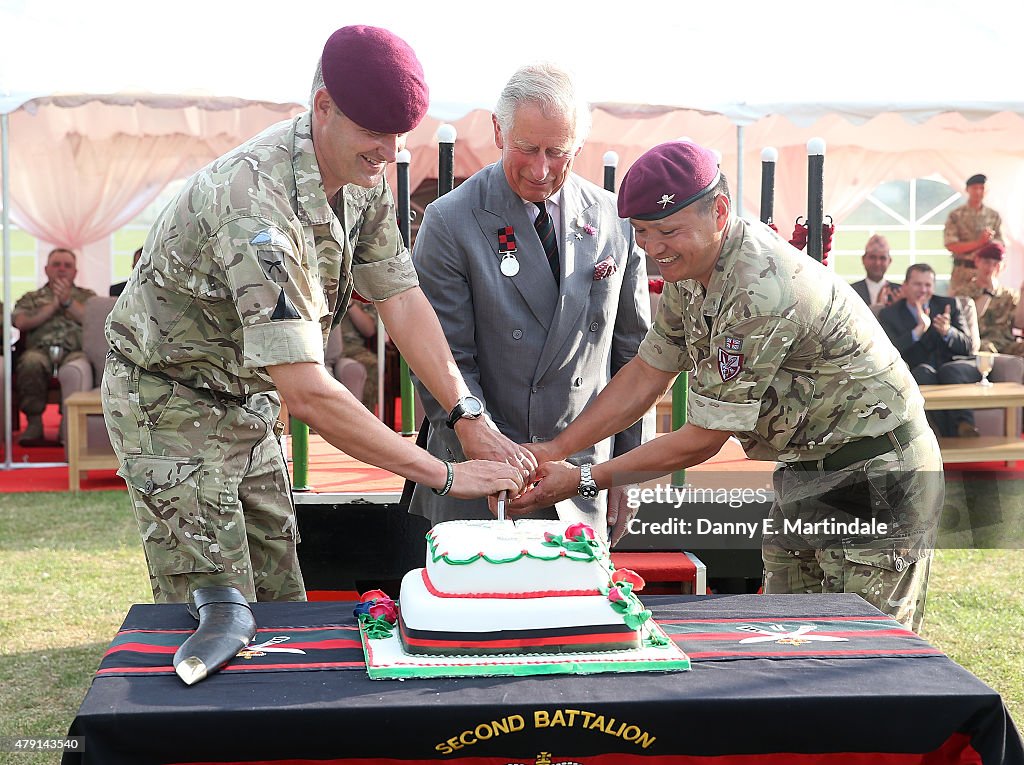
(1001, 395)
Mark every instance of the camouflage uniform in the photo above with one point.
(249, 267)
(996, 325)
(965, 224)
(35, 366)
(355, 348)
(790, 359)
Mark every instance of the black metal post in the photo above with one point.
(445, 159)
(815, 197)
(769, 156)
(611, 161)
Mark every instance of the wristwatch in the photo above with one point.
(469, 407)
(65, 303)
(588, 486)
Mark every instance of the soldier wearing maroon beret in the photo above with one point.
(229, 310)
(787, 358)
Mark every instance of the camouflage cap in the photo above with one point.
(991, 251)
(376, 80)
(666, 179)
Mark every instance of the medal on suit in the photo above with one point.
(507, 248)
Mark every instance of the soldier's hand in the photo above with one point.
(479, 478)
(61, 290)
(987, 235)
(481, 440)
(619, 513)
(554, 481)
(543, 451)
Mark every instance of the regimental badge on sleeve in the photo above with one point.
(729, 364)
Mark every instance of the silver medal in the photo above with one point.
(509, 264)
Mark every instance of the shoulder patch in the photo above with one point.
(284, 310)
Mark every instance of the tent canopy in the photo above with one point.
(897, 90)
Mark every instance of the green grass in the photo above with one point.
(71, 565)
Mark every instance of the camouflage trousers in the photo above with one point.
(32, 377)
(208, 483)
(867, 529)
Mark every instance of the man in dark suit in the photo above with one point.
(117, 289)
(930, 333)
(876, 289)
(537, 322)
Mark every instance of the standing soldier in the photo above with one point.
(969, 228)
(784, 355)
(240, 282)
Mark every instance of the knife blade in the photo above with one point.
(502, 497)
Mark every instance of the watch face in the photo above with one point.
(588, 492)
(472, 406)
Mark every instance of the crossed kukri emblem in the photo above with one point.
(779, 634)
(268, 646)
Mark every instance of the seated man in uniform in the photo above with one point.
(50, 320)
(999, 308)
(930, 334)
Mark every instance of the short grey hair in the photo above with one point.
(318, 82)
(553, 89)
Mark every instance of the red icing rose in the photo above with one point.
(385, 608)
(626, 575)
(579, 532)
(374, 595)
(615, 595)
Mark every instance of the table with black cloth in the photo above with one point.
(770, 683)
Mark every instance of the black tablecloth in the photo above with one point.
(783, 695)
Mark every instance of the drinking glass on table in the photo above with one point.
(985, 361)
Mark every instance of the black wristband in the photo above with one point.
(448, 481)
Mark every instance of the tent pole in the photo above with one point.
(739, 171)
(5, 202)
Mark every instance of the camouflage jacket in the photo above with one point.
(782, 352)
(995, 326)
(965, 224)
(62, 328)
(252, 265)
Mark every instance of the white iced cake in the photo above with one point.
(528, 586)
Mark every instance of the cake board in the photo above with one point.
(385, 660)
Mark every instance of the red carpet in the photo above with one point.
(48, 478)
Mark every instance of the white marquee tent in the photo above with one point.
(897, 91)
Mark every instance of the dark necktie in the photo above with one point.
(546, 231)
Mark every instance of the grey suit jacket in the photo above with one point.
(535, 354)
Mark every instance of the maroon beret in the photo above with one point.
(374, 77)
(666, 179)
(992, 251)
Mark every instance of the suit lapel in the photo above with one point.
(503, 207)
(579, 257)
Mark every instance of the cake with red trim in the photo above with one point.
(518, 587)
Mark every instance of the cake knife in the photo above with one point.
(502, 496)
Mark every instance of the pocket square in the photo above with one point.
(605, 268)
